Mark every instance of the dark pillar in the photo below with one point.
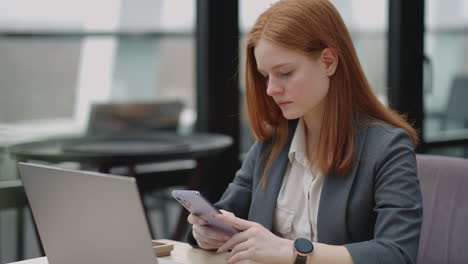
(405, 59)
(216, 66)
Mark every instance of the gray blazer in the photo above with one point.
(375, 210)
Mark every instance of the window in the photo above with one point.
(57, 58)
(446, 71)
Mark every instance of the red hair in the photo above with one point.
(308, 26)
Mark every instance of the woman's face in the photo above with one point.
(299, 84)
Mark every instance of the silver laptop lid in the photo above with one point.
(87, 217)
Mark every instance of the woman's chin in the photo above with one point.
(291, 116)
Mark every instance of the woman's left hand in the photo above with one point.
(254, 242)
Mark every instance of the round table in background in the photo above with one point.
(106, 151)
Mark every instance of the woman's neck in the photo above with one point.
(313, 126)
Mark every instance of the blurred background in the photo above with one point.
(59, 58)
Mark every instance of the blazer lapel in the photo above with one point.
(264, 201)
(331, 219)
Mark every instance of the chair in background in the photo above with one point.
(456, 106)
(444, 186)
(452, 138)
(142, 117)
(128, 117)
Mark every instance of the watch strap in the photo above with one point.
(300, 259)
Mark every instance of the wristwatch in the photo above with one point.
(302, 248)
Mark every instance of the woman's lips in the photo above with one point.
(281, 104)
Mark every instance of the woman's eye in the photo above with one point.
(286, 74)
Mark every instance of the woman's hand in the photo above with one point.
(255, 242)
(207, 237)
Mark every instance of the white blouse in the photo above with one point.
(298, 200)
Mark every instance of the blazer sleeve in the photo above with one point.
(397, 205)
(238, 194)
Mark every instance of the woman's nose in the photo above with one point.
(273, 87)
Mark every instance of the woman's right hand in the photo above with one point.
(207, 237)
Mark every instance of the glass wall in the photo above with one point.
(446, 71)
(57, 58)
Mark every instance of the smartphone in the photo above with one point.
(198, 205)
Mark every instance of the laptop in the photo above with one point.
(88, 217)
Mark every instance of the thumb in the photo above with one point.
(224, 212)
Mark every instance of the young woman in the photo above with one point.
(332, 177)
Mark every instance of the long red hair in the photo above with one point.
(308, 26)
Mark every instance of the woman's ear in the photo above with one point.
(330, 60)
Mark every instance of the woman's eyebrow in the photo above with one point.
(274, 67)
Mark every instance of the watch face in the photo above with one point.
(303, 246)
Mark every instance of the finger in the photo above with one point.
(243, 255)
(234, 221)
(241, 247)
(212, 234)
(231, 243)
(196, 220)
(202, 241)
(206, 245)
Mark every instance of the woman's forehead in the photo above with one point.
(269, 55)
